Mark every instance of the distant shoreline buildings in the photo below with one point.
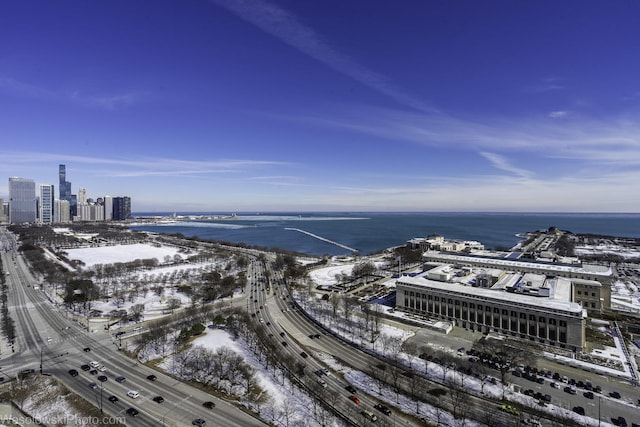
(28, 206)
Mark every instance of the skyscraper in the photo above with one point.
(121, 208)
(65, 190)
(22, 200)
(65, 186)
(108, 207)
(45, 211)
(61, 211)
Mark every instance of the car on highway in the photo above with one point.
(120, 379)
(615, 395)
(73, 372)
(113, 398)
(152, 377)
(620, 421)
(284, 343)
(354, 399)
(209, 405)
(102, 378)
(85, 367)
(322, 383)
(94, 364)
(133, 412)
(134, 394)
(93, 385)
(304, 355)
(382, 408)
(198, 422)
(509, 409)
(86, 349)
(588, 394)
(158, 399)
(93, 372)
(369, 415)
(351, 389)
(578, 410)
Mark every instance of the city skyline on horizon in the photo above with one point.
(280, 106)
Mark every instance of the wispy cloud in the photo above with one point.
(18, 88)
(142, 167)
(558, 114)
(501, 162)
(547, 85)
(286, 27)
(580, 138)
(97, 101)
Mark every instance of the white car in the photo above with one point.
(133, 394)
(102, 368)
(322, 383)
(94, 364)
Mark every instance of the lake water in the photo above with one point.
(370, 232)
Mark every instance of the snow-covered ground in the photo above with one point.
(607, 249)
(121, 253)
(284, 394)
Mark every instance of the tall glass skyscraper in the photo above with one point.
(65, 186)
(121, 208)
(65, 190)
(45, 208)
(22, 200)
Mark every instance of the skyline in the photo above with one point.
(241, 106)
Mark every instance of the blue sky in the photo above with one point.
(332, 105)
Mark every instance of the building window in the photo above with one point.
(552, 321)
(542, 320)
(563, 323)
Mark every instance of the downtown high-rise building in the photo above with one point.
(46, 204)
(107, 202)
(121, 208)
(65, 190)
(22, 201)
(61, 212)
(4, 212)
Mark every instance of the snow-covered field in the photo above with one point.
(121, 253)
